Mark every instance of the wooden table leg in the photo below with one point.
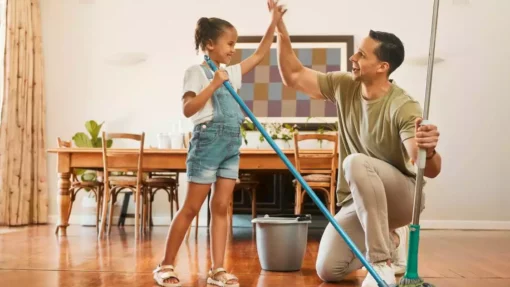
(63, 202)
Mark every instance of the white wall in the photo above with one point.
(470, 89)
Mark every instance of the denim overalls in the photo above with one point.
(214, 147)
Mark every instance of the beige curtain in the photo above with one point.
(23, 186)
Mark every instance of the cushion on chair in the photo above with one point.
(86, 184)
(160, 180)
(122, 180)
(315, 178)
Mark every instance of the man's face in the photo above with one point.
(365, 64)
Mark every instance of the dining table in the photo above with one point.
(155, 159)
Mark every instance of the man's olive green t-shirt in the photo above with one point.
(376, 128)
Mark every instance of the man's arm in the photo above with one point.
(292, 71)
(433, 164)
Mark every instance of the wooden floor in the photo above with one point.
(35, 257)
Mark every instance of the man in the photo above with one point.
(380, 134)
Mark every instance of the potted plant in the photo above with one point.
(287, 134)
(333, 127)
(93, 140)
(324, 127)
(81, 139)
(262, 140)
(245, 127)
(280, 133)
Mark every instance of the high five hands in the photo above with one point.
(277, 11)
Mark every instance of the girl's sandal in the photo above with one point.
(222, 280)
(165, 272)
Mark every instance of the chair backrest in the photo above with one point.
(306, 163)
(120, 158)
(62, 143)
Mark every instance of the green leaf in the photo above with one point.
(307, 120)
(93, 128)
(89, 176)
(243, 134)
(79, 172)
(98, 142)
(82, 140)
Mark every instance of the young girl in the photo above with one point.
(213, 155)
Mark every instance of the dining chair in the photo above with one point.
(116, 160)
(319, 179)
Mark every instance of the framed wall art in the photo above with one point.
(264, 93)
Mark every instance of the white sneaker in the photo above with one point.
(400, 255)
(385, 272)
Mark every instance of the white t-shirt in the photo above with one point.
(195, 80)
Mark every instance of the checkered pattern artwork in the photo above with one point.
(266, 96)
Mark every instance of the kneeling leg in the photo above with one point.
(335, 259)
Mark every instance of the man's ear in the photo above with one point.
(384, 67)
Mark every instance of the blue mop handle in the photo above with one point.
(298, 176)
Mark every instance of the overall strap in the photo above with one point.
(217, 114)
(208, 72)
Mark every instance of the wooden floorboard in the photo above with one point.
(35, 256)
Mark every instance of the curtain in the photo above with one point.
(23, 185)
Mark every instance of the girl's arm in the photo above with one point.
(265, 44)
(192, 103)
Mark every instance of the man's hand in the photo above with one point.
(427, 136)
(277, 12)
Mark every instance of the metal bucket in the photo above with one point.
(281, 241)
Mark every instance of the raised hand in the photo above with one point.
(277, 11)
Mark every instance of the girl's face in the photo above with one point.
(222, 49)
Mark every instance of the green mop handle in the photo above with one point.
(298, 176)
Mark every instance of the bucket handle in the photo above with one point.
(299, 217)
